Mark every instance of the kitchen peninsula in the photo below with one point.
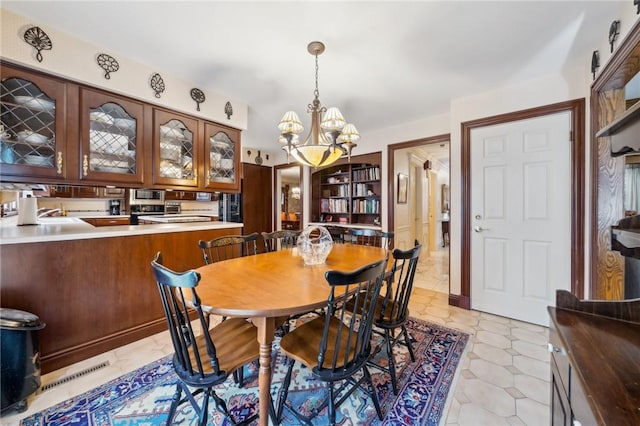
(93, 286)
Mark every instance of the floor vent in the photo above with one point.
(74, 376)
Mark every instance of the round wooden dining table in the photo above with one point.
(272, 285)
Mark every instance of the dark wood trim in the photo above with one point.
(577, 109)
(612, 76)
(391, 149)
(62, 358)
(459, 301)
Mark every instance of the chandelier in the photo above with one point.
(330, 135)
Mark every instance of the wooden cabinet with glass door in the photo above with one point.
(222, 158)
(175, 149)
(32, 129)
(111, 138)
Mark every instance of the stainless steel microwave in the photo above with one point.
(146, 196)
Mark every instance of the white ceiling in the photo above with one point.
(385, 63)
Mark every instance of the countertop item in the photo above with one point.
(59, 228)
(27, 211)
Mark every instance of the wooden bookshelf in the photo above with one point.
(348, 193)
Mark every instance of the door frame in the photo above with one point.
(577, 109)
(391, 149)
(277, 190)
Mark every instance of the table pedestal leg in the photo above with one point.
(266, 329)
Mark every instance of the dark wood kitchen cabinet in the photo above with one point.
(221, 158)
(177, 148)
(57, 131)
(33, 139)
(256, 199)
(194, 154)
(111, 138)
(595, 361)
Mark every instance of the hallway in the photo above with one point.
(433, 270)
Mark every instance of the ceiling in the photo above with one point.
(386, 63)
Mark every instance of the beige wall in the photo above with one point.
(75, 59)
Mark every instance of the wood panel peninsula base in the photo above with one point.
(595, 361)
(96, 294)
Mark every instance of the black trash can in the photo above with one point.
(19, 358)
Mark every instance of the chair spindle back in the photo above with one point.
(228, 247)
(343, 352)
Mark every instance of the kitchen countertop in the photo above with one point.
(65, 228)
(176, 218)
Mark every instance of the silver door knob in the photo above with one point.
(480, 229)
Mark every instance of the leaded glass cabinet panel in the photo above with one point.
(112, 147)
(175, 147)
(222, 152)
(31, 125)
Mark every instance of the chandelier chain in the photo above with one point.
(316, 92)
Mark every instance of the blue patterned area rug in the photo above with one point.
(142, 397)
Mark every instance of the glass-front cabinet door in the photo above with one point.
(32, 128)
(111, 138)
(222, 157)
(175, 149)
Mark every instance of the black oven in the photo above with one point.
(138, 210)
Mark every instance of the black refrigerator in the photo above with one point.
(230, 208)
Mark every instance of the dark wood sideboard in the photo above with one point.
(595, 361)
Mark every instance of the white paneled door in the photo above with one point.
(521, 216)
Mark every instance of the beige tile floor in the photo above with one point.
(504, 379)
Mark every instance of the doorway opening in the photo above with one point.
(423, 214)
(288, 196)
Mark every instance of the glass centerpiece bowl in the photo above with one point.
(314, 245)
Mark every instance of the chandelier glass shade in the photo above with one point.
(330, 136)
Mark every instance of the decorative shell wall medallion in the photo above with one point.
(108, 64)
(595, 63)
(157, 84)
(198, 96)
(228, 109)
(39, 40)
(614, 31)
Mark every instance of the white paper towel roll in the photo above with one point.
(27, 211)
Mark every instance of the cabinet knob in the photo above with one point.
(59, 162)
(85, 165)
(555, 349)
(576, 422)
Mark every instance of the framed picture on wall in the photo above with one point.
(403, 183)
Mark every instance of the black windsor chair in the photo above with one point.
(205, 360)
(337, 346)
(372, 237)
(276, 240)
(228, 247)
(392, 309)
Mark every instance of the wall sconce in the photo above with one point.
(427, 167)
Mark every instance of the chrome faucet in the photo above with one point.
(42, 212)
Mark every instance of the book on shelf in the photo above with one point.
(369, 173)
